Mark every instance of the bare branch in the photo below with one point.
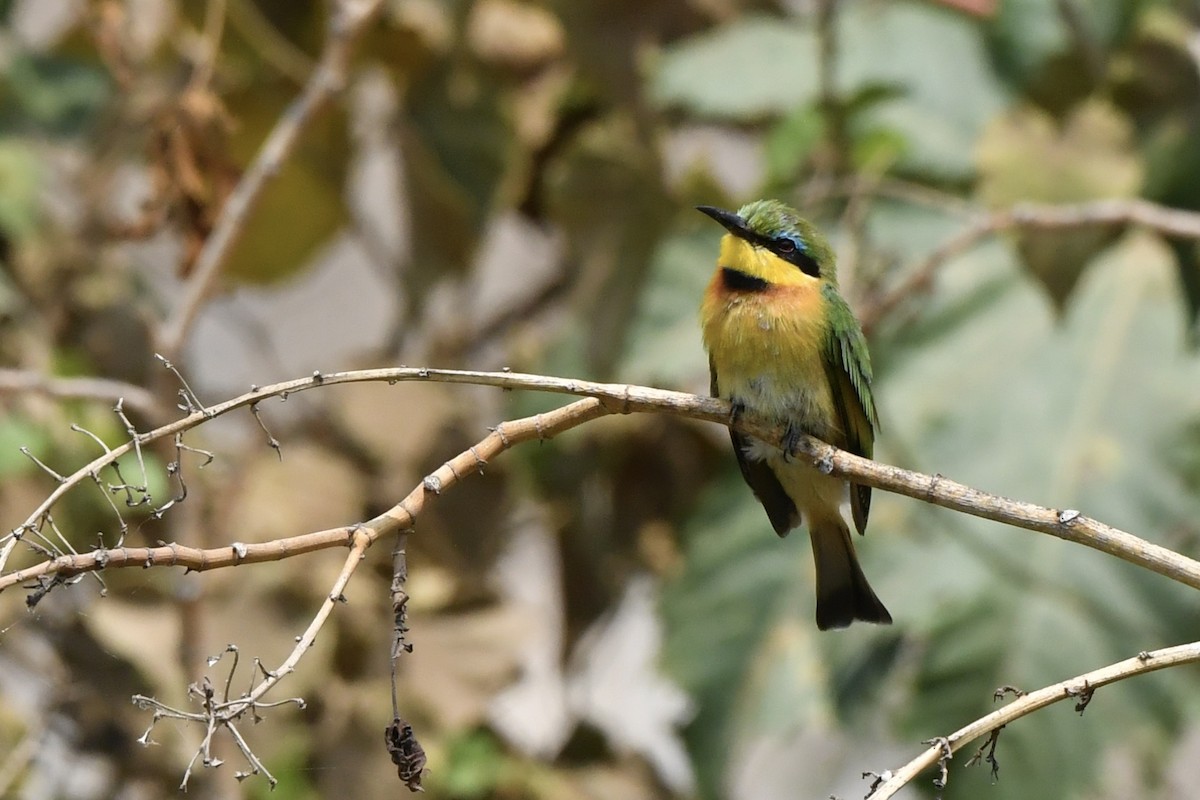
(272, 46)
(214, 26)
(348, 18)
(189, 402)
(1163, 219)
(400, 517)
(25, 451)
(272, 442)
(136, 440)
(1077, 687)
(602, 399)
(104, 390)
(1067, 524)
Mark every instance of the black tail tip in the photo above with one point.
(839, 611)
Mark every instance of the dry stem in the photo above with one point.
(1027, 704)
(348, 19)
(1163, 219)
(602, 399)
(1066, 524)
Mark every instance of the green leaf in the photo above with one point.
(664, 345)
(1080, 416)
(20, 178)
(1050, 50)
(457, 145)
(1027, 156)
(733, 635)
(752, 68)
(790, 142)
(475, 766)
(939, 110)
(759, 67)
(61, 95)
(302, 206)
(17, 432)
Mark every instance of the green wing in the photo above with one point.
(848, 366)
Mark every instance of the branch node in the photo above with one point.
(188, 401)
(878, 778)
(931, 490)
(943, 744)
(1005, 690)
(412, 517)
(990, 755)
(499, 431)
(1083, 694)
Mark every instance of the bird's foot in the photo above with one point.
(790, 443)
(736, 411)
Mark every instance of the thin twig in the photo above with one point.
(360, 537)
(1165, 220)
(400, 517)
(25, 451)
(188, 399)
(136, 440)
(1027, 704)
(348, 18)
(214, 27)
(890, 188)
(273, 47)
(104, 390)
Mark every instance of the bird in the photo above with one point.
(784, 346)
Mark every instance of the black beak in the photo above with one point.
(730, 221)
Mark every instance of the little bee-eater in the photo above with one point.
(783, 345)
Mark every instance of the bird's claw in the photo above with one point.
(736, 410)
(790, 443)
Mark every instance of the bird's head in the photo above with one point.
(768, 241)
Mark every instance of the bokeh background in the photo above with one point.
(509, 183)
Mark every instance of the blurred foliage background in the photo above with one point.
(510, 183)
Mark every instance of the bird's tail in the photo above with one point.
(843, 594)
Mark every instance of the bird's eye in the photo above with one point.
(785, 246)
